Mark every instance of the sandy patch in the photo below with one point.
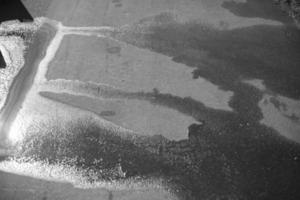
(131, 69)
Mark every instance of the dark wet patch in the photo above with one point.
(231, 155)
(114, 50)
(187, 106)
(12, 10)
(278, 105)
(90, 147)
(252, 152)
(237, 163)
(2, 61)
(293, 117)
(77, 101)
(266, 9)
(252, 53)
(270, 53)
(2, 158)
(118, 5)
(107, 113)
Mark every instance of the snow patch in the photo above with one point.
(13, 49)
